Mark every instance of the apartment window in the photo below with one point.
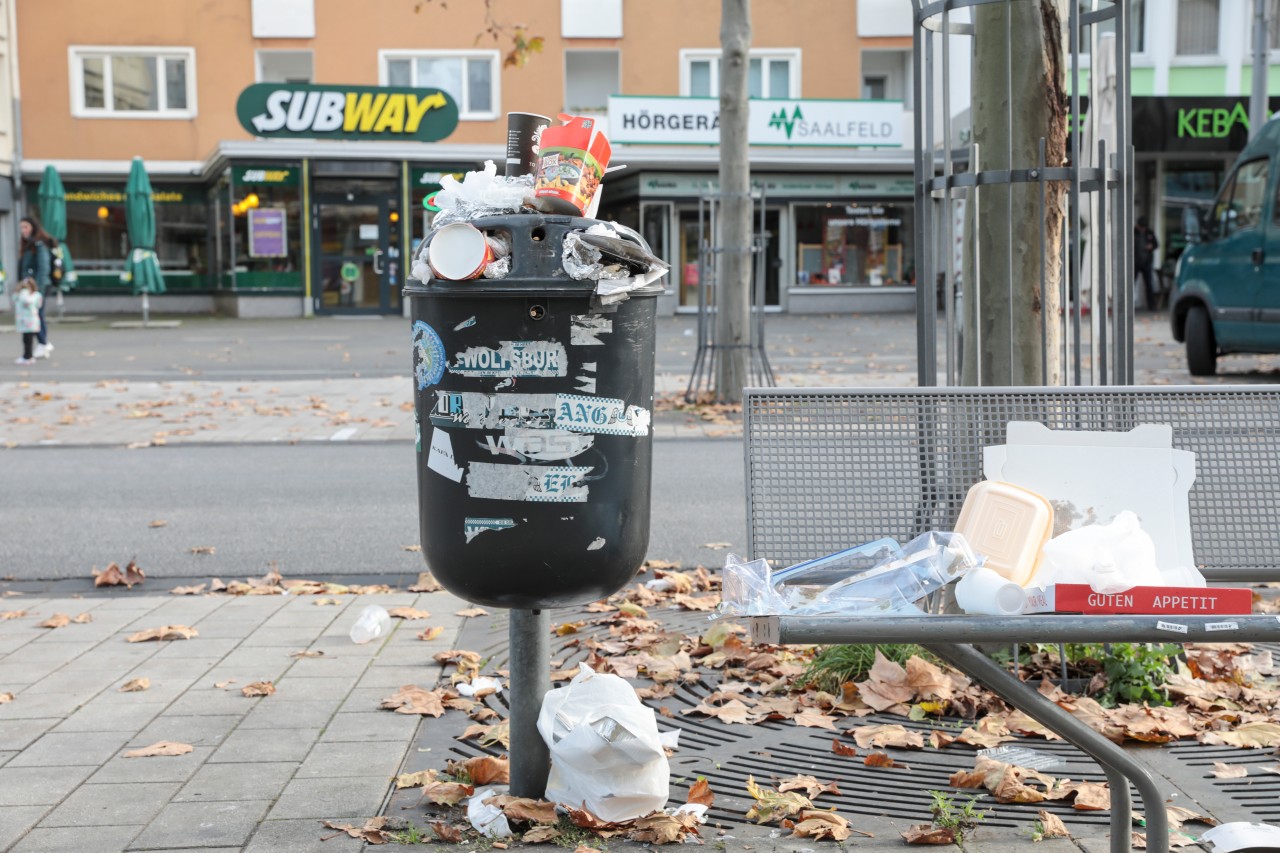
(590, 77)
(285, 66)
(1137, 26)
(1197, 27)
(470, 78)
(133, 82)
(1273, 24)
(770, 74)
(873, 88)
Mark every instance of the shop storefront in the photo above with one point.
(1184, 148)
(836, 242)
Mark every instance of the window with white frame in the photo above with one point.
(770, 73)
(471, 77)
(1197, 27)
(133, 82)
(285, 66)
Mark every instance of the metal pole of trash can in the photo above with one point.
(529, 635)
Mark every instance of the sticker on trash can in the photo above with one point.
(540, 484)
(429, 355)
(585, 329)
(538, 445)
(513, 358)
(441, 459)
(473, 527)
(477, 410)
(603, 415)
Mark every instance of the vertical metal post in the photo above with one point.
(529, 634)
(926, 308)
(1258, 92)
(1073, 207)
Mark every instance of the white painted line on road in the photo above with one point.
(343, 434)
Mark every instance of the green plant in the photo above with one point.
(961, 820)
(412, 834)
(835, 665)
(1135, 672)
(573, 836)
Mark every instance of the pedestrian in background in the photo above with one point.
(36, 263)
(1144, 255)
(27, 301)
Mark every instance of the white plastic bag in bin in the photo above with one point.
(605, 748)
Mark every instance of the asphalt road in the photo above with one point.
(315, 509)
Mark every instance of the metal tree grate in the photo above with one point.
(829, 469)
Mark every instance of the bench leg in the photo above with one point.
(1119, 767)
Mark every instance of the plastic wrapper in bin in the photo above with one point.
(611, 255)
(605, 748)
(899, 578)
(484, 193)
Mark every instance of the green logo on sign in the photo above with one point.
(304, 110)
(349, 272)
(779, 119)
(1211, 123)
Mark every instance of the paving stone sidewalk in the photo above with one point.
(264, 771)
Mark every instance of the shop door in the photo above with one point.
(357, 263)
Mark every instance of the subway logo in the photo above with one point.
(300, 110)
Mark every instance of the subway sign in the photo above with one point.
(310, 111)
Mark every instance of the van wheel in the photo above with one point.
(1202, 352)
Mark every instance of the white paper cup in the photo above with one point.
(458, 251)
(988, 593)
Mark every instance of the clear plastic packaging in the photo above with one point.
(582, 261)
(483, 193)
(374, 622)
(877, 578)
(1109, 557)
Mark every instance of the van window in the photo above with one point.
(1240, 206)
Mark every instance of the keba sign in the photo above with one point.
(307, 111)
(787, 122)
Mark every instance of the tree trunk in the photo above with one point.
(733, 240)
(1006, 300)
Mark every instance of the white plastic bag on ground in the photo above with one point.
(605, 748)
(486, 819)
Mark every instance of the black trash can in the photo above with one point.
(533, 405)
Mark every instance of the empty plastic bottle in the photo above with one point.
(374, 622)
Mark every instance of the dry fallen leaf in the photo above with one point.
(1229, 771)
(700, 793)
(717, 546)
(843, 749)
(166, 632)
(1051, 826)
(222, 685)
(450, 834)
(771, 805)
(307, 653)
(408, 613)
(258, 688)
(113, 575)
(543, 834)
(472, 612)
(162, 748)
(327, 602)
(488, 770)
(446, 793)
(372, 831)
(159, 522)
(525, 810)
(882, 759)
(426, 583)
(415, 780)
(57, 620)
(925, 833)
(809, 784)
(83, 619)
(891, 735)
(410, 547)
(498, 733)
(12, 614)
(5, 697)
(137, 685)
(411, 699)
(1249, 735)
(430, 634)
(198, 589)
(204, 549)
(821, 824)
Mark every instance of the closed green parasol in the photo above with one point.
(142, 267)
(53, 215)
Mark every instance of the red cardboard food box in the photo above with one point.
(1157, 600)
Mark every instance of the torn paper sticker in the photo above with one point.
(1171, 626)
(1221, 626)
(440, 458)
(513, 358)
(476, 410)
(596, 544)
(505, 482)
(602, 415)
(428, 355)
(465, 324)
(538, 445)
(473, 527)
(585, 329)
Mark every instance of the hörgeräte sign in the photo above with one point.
(645, 120)
(310, 111)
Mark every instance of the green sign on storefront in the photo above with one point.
(309, 111)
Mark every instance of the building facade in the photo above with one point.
(260, 226)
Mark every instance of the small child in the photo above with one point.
(26, 309)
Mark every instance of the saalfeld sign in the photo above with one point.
(310, 111)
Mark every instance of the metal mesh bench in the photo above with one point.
(830, 468)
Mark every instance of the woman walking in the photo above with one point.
(36, 263)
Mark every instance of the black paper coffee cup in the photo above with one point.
(524, 133)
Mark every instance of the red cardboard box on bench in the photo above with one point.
(1157, 600)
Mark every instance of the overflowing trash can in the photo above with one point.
(533, 395)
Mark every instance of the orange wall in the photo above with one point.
(349, 35)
